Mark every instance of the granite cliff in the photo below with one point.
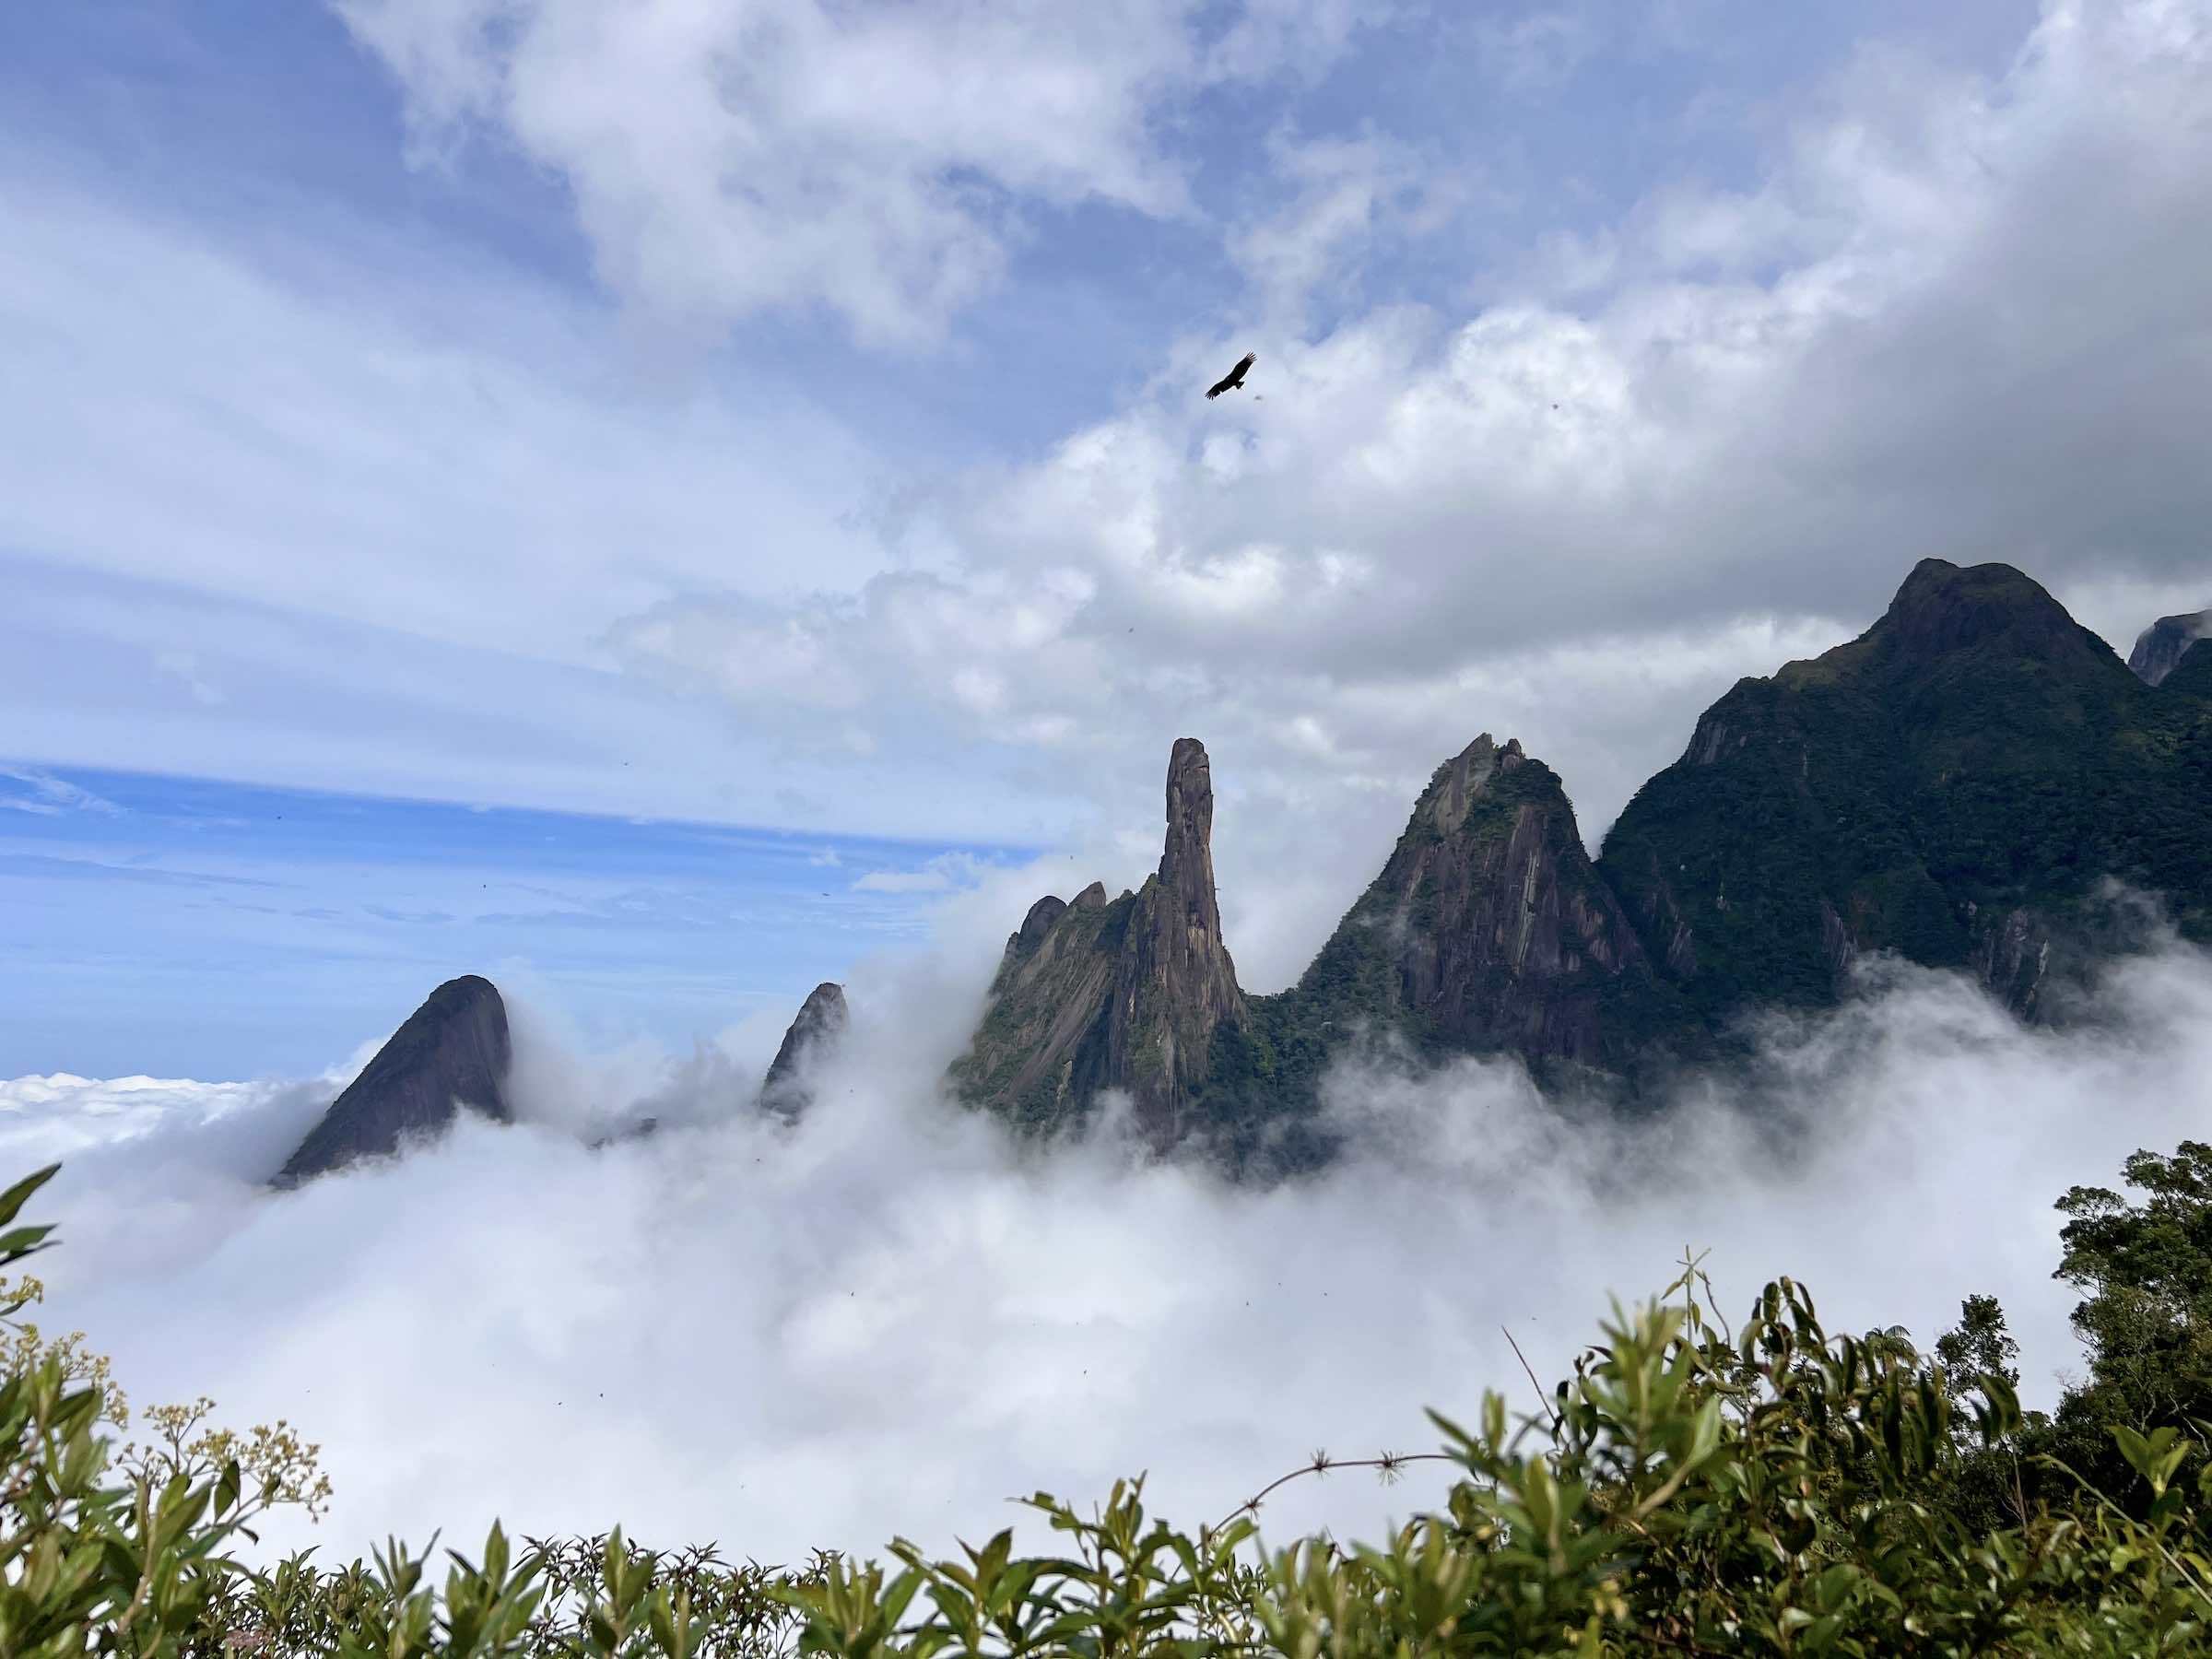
(2160, 647)
(818, 1027)
(1955, 787)
(1129, 994)
(451, 1055)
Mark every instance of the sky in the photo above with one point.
(665, 503)
(786, 418)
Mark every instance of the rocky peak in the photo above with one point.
(1942, 608)
(821, 1023)
(2160, 647)
(451, 1053)
(1488, 928)
(1125, 994)
(1186, 863)
(1036, 924)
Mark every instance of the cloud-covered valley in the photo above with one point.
(893, 1320)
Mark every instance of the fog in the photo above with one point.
(891, 1320)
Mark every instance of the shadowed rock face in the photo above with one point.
(1488, 928)
(2160, 647)
(821, 1022)
(1123, 994)
(452, 1053)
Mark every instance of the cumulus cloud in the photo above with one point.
(1953, 314)
(891, 1320)
(873, 161)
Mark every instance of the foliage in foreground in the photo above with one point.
(1689, 1490)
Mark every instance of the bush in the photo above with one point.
(1689, 1490)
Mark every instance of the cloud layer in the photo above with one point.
(873, 161)
(892, 1321)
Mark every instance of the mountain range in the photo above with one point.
(1966, 785)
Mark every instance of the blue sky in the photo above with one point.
(181, 927)
(781, 420)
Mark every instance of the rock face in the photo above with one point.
(1950, 786)
(1953, 786)
(1489, 928)
(1129, 994)
(821, 1023)
(2161, 646)
(451, 1053)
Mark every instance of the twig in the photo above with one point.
(1532, 1378)
(1389, 1463)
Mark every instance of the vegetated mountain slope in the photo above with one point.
(1952, 785)
(1955, 785)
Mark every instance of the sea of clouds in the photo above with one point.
(891, 1321)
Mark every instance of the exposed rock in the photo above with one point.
(451, 1053)
(1037, 924)
(1488, 929)
(2160, 647)
(1127, 995)
(821, 1022)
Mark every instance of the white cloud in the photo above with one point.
(1351, 201)
(940, 874)
(891, 1322)
(1935, 326)
(50, 797)
(873, 160)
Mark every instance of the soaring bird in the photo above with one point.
(1235, 377)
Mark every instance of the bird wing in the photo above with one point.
(1235, 377)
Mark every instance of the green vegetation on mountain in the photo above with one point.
(1954, 785)
(1962, 785)
(1691, 1488)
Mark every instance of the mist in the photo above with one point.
(891, 1320)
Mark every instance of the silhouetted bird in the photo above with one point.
(1235, 377)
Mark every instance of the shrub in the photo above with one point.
(1689, 1490)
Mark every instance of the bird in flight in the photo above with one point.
(1235, 377)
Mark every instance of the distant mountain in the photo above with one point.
(820, 1024)
(1130, 994)
(452, 1053)
(1954, 786)
(2160, 647)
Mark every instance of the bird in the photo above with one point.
(1235, 377)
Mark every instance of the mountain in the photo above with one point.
(1488, 929)
(453, 1052)
(1129, 994)
(2160, 647)
(821, 1022)
(1952, 785)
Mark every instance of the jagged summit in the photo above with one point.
(821, 1022)
(2160, 647)
(452, 1053)
(1127, 993)
(1942, 608)
(1488, 928)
